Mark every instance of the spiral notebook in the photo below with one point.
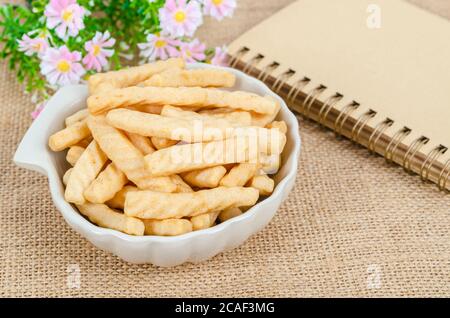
(374, 71)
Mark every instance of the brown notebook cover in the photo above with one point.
(375, 71)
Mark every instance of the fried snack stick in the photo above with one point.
(281, 125)
(162, 184)
(262, 120)
(156, 205)
(74, 154)
(180, 112)
(78, 116)
(270, 163)
(151, 109)
(103, 216)
(205, 178)
(66, 176)
(210, 120)
(229, 213)
(161, 143)
(142, 143)
(240, 100)
(129, 76)
(156, 109)
(168, 227)
(239, 175)
(192, 78)
(263, 184)
(204, 221)
(181, 185)
(183, 158)
(69, 136)
(270, 141)
(242, 117)
(180, 96)
(118, 201)
(106, 185)
(84, 172)
(185, 129)
(129, 96)
(85, 142)
(125, 156)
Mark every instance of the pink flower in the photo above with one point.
(62, 67)
(219, 8)
(180, 19)
(31, 46)
(97, 51)
(159, 47)
(220, 57)
(39, 108)
(193, 51)
(66, 15)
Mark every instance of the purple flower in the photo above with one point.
(159, 47)
(179, 18)
(66, 16)
(98, 52)
(31, 46)
(39, 108)
(193, 51)
(62, 67)
(220, 57)
(219, 8)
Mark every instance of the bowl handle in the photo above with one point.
(31, 153)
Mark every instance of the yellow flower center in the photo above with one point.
(160, 43)
(96, 50)
(188, 53)
(217, 2)
(67, 15)
(37, 46)
(63, 66)
(180, 16)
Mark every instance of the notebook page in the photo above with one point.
(399, 67)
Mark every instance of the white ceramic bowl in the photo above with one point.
(33, 153)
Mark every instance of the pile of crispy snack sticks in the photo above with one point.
(162, 150)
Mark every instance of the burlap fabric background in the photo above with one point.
(353, 225)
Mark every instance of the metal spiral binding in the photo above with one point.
(411, 152)
(282, 79)
(360, 123)
(252, 63)
(443, 177)
(311, 98)
(239, 54)
(394, 143)
(428, 163)
(295, 90)
(343, 116)
(377, 133)
(267, 70)
(327, 106)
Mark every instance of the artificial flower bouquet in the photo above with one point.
(59, 42)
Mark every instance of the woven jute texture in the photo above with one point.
(352, 226)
